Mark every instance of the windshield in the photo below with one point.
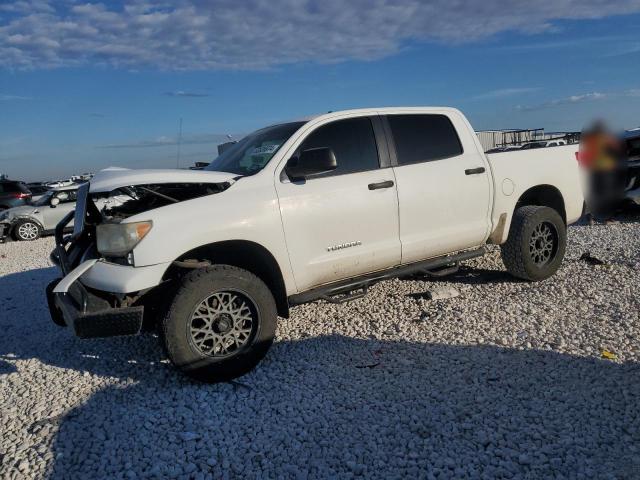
(253, 152)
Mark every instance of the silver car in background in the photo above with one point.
(29, 222)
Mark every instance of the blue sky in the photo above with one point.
(88, 85)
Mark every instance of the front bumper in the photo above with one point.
(5, 228)
(74, 300)
(89, 315)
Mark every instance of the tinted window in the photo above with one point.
(352, 141)
(421, 138)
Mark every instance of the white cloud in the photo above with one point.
(11, 98)
(257, 34)
(182, 93)
(505, 92)
(581, 98)
(167, 141)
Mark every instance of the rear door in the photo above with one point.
(342, 223)
(443, 181)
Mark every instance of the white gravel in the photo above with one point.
(506, 380)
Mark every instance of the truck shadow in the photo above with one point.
(323, 406)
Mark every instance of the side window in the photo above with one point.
(352, 141)
(67, 196)
(423, 138)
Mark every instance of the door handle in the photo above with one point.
(474, 171)
(379, 185)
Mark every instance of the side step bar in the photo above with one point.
(356, 287)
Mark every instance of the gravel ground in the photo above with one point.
(507, 380)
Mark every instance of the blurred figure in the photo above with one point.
(601, 157)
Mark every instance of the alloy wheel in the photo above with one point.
(223, 323)
(28, 231)
(543, 243)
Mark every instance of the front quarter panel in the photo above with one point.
(248, 210)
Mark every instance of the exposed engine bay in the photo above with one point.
(142, 198)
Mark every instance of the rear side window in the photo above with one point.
(423, 138)
(352, 141)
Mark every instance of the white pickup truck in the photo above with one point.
(295, 212)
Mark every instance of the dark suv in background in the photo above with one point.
(13, 194)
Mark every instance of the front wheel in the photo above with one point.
(26, 230)
(536, 244)
(220, 324)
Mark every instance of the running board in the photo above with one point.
(347, 296)
(444, 271)
(356, 287)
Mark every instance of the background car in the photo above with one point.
(555, 143)
(531, 145)
(37, 190)
(29, 222)
(13, 194)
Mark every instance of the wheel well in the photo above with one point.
(243, 254)
(544, 196)
(28, 219)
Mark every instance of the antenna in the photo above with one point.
(179, 144)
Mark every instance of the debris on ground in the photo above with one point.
(437, 294)
(590, 259)
(609, 355)
(371, 365)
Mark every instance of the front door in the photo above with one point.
(342, 223)
(54, 213)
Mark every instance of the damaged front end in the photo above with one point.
(142, 198)
(118, 307)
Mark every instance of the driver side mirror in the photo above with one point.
(54, 201)
(313, 161)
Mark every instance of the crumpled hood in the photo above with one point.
(112, 178)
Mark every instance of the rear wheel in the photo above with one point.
(220, 324)
(536, 244)
(26, 230)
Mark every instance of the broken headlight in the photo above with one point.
(118, 239)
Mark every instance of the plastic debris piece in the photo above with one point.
(437, 294)
(372, 365)
(609, 355)
(590, 259)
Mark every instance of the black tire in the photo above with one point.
(26, 230)
(536, 244)
(196, 357)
